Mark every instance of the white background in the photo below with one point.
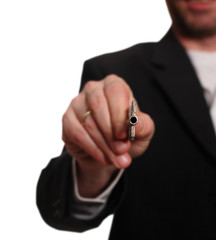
(43, 45)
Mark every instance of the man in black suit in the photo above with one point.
(168, 185)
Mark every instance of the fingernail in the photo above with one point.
(122, 161)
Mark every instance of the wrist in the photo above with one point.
(92, 181)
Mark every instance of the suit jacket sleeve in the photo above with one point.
(55, 195)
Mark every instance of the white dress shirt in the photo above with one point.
(205, 67)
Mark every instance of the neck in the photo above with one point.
(207, 44)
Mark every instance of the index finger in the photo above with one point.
(119, 96)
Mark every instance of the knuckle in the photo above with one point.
(90, 85)
(116, 86)
(75, 101)
(116, 79)
(95, 101)
(112, 89)
(112, 77)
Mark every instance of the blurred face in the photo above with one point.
(193, 18)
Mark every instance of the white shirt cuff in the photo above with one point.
(102, 197)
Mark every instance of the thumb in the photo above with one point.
(144, 131)
(145, 127)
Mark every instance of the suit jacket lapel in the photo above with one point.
(176, 76)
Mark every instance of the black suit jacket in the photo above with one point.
(169, 191)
